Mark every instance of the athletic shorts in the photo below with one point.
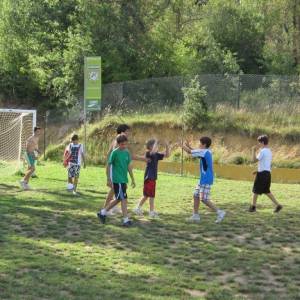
(262, 183)
(30, 159)
(120, 191)
(149, 188)
(202, 191)
(73, 171)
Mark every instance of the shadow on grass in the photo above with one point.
(234, 253)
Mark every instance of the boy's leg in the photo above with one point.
(124, 208)
(25, 180)
(110, 205)
(152, 212)
(205, 198)
(252, 207)
(138, 210)
(142, 201)
(28, 174)
(151, 203)
(196, 204)
(109, 197)
(75, 183)
(273, 199)
(196, 217)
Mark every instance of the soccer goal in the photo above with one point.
(16, 126)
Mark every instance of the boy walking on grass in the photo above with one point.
(32, 150)
(76, 154)
(119, 165)
(150, 176)
(203, 188)
(125, 130)
(262, 182)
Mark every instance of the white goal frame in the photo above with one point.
(21, 111)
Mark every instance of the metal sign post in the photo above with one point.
(92, 88)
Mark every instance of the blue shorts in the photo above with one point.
(120, 191)
(30, 159)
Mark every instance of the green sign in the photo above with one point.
(92, 83)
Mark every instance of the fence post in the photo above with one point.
(45, 131)
(238, 92)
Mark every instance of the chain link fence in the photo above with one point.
(238, 92)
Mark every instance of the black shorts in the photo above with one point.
(120, 191)
(262, 183)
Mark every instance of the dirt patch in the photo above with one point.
(196, 293)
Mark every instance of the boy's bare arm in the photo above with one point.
(167, 151)
(139, 157)
(187, 148)
(254, 158)
(130, 168)
(109, 183)
(83, 159)
(154, 148)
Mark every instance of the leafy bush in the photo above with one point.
(195, 110)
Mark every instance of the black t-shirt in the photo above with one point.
(152, 165)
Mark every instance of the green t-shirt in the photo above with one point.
(119, 161)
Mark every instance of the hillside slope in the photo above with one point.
(233, 133)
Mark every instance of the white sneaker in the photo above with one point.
(74, 193)
(153, 214)
(22, 184)
(221, 216)
(194, 218)
(138, 211)
(116, 210)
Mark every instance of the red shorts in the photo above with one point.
(149, 188)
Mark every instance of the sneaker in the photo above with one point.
(252, 208)
(194, 218)
(101, 217)
(138, 211)
(153, 214)
(74, 193)
(221, 216)
(278, 208)
(22, 184)
(127, 223)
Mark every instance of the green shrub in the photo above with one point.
(195, 110)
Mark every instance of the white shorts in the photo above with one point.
(202, 191)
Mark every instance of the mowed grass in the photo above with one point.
(52, 246)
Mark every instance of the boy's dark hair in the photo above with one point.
(205, 140)
(35, 129)
(150, 144)
(74, 137)
(122, 128)
(121, 138)
(263, 139)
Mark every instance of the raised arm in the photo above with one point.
(187, 148)
(154, 148)
(254, 157)
(167, 151)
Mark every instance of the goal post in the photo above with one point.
(16, 126)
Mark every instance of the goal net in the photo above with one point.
(16, 126)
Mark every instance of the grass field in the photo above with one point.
(53, 247)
